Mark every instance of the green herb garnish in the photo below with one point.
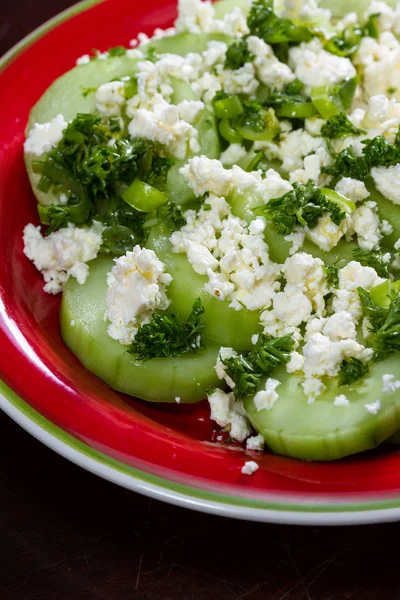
(372, 258)
(248, 370)
(351, 370)
(339, 126)
(168, 335)
(265, 24)
(238, 55)
(303, 205)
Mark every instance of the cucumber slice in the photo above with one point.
(224, 326)
(279, 248)
(65, 97)
(322, 431)
(390, 212)
(223, 7)
(340, 8)
(184, 43)
(177, 188)
(157, 380)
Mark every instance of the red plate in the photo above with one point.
(167, 452)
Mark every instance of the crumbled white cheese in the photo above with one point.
(44, 136)
(353, 189)
(352, 276)
(220, 368)
(389, 384)
(365, 223)
(295, 363)
(63, 253)
(256, 442)
(326, 234)
(162, 124)
(229, 413)
(340, 326)
(197, 16)
(72, 323)
(83, 60)
(323, 357)
(388, 18)
(296, 238)
(110, 98)
(386, 227)
(249, 467)
(316, 67)
(136, 287)
(373, 407)
(341, 401)
(232, 154)
(230, 251)
(387, 181)
(380, 60)
(177, 400)
(266, 398)
(269, 69)
(313, 387)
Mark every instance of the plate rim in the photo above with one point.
(185, 495)
(154, 486)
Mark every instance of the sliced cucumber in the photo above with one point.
(158, 380)
(224, 325)
(177, 188)
(223, 7)
(279, 248)
(323, 431)
(340, 8)
(65, 96)
(390, 212)
(184, 43)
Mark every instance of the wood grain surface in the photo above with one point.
(65, 534)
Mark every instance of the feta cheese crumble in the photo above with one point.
(62, 254)
(266, 398)
(136, 287)
(227, 412)
(250, 467)
(256, 442)
(374, 407)
(390, 384)
(44, 136)
(341, 401)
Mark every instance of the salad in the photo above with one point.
(219, 209)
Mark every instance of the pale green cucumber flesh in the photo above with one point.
(323, 431)
(279, 248)
(340, 8)
(65, 96)
(157, 380)
(224, 326)
(184, 43)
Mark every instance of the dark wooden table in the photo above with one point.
(65, 534)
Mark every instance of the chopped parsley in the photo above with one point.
(332, 276)
(351, 370)
(291, 92)
(384, 324)
(265, 24)
(375, 313)
(376, 153)
(372, 258)
(93, 165)
(166, 336)
(248, 370)
(339, 126)
(303, 205)
(238, 55)
(253, 116)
